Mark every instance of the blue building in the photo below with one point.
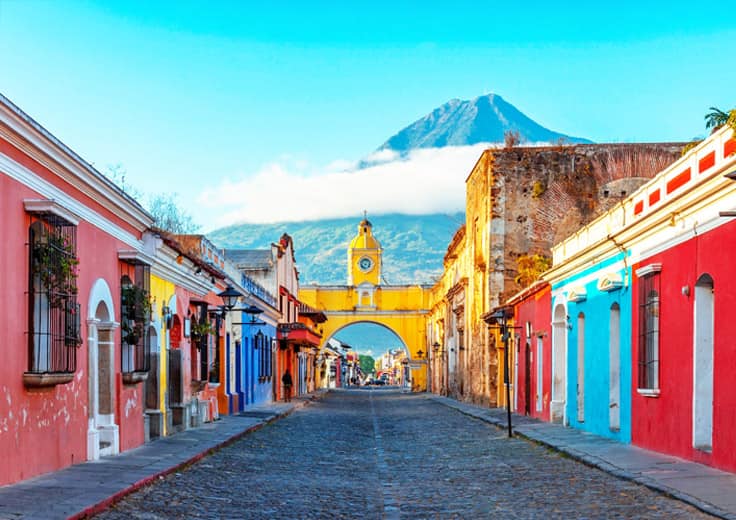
(253, 352)
(591, 340)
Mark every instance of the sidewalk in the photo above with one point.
(90, 487)
(708, 489)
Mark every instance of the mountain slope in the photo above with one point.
(413, 245)
(464, 122)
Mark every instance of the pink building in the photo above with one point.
(70, 383)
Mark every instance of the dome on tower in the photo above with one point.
(364, 239)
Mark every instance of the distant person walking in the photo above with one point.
(287, 382)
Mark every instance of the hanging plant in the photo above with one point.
(202, 329)
(55, 264)
(136, 305)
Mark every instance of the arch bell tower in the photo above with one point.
(364, 256)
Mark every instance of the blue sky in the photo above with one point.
(220, 101)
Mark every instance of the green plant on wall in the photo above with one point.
(530, 267)
(136, 304)
(55, 264)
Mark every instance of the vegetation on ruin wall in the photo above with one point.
(530, 267)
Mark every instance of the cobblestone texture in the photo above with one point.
(383, 454)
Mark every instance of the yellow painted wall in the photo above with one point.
(161, 291)
(402, 309)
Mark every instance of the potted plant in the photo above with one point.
(201, 329)
(55, 264)
(136, 312)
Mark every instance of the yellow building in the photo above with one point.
(164, 299)
(400, 308)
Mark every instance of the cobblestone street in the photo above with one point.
(382, 454)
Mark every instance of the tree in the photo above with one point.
(169, 216)
(511, 138)
(367, 364)
(716, 117)
(117, 173)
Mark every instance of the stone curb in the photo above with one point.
(592, 461)
(111, 500)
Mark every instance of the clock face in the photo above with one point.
(365, 264)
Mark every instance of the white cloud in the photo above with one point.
(426, 181)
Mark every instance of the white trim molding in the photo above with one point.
(577, 294)
(648, 269)
(50, 206)
(610, 282)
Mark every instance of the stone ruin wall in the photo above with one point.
(549, 193)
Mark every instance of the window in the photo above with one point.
(214, 375)
(200, 337)
(649, 310)
(263, 344)
(54, 315)
(135, 317)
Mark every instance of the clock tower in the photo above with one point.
(364, 256)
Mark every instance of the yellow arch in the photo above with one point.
(400, 308)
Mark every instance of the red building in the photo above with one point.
(532, 373)
(684, 285)
(70, 390)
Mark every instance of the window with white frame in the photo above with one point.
(649, 311)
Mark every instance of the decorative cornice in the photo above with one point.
(610, 282)
(19, 129)
(25, 176)
(648, 269)
(135, 257)
(577, 294)
(50, 206)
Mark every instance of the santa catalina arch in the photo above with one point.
(400, 308)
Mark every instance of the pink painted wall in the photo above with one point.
(45, 429)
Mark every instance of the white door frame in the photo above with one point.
(703, 343)
(101, 327)
(558, 410)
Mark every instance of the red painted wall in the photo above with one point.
(536, 309)
(664, 423)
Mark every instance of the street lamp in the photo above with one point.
(229, 297)
(499, 318)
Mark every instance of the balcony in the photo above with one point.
(299, 333)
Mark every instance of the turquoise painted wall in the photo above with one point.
(596, 309)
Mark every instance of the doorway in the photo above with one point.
(581, 368)
(614, 368)
(103, 435)
(703, 364)
(559, 366)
